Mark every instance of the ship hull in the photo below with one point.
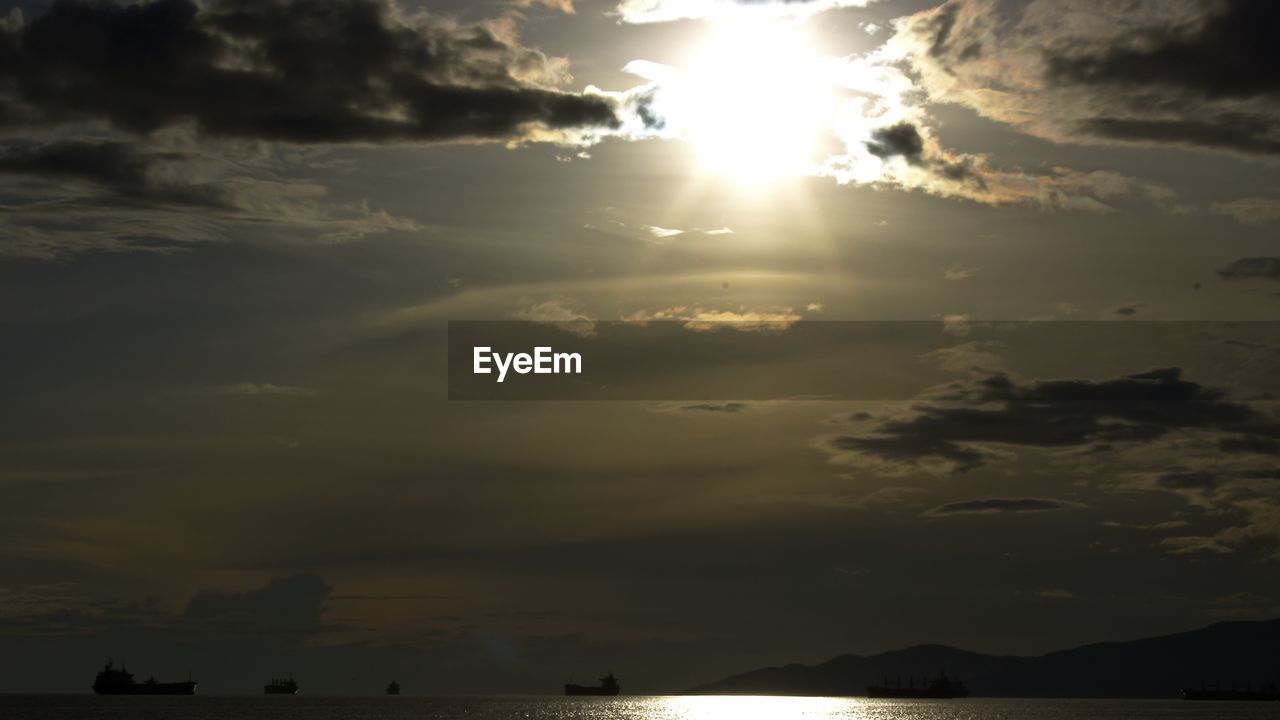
(940, 689)
(279, 691)
(593, 691)
(907, 693)
(178, 688)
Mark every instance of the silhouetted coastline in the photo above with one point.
(1157, 667)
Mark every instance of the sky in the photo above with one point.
(233, 232)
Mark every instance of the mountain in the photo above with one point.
(1149, 668)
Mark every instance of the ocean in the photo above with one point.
(302, 707)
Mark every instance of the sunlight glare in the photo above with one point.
(747, 707)
(754, 101)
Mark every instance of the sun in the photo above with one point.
(754, 100)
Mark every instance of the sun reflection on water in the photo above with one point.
(760, 708)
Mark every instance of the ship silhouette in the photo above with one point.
(608, 686)
(279, 686)
(119, 681)
(393, 688)
(939, 688)
(1266, 692)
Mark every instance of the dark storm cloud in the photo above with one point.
(1227, 486)
(953, 427)
(77, 196)
(1233, 53)
(313, 71)
(290, 605)
(1189, 73)
(1267, 268)
(1228, 131)
(1199, 480)
(1002, 505)
(122, 170)
(108, 163)
(1252, 444)
(902, 140)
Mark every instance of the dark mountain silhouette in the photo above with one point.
(1156, 667)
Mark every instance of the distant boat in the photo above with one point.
(281, 687)
(1267, 692)
(608, 686)
(113, 681)
(940, 688)
(393, 688)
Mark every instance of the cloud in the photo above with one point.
(117, 173)
(906, 154)
(970, 357)
(1057, 594)
(731, 408)
(1191, 544)
(962, 426)
(650, 11)
(561, 313)
(304, 71)
(993, 506)
(1253, 444)
(265, 389)
(1250, 210)
(1180, 72)
(959, 272)
(288, 606)
(122, 167)
(900, 140)
(1265, 268)
(564, 6)
(1230, 487)
(77, 195)
(697, 318)
(888, 499)
(1176, 437)
(1164, 525)
(880, 125)
(661, 234)
(1129, 310)
(1229, 53)
(956, 325)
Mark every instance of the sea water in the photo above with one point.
(301, 707)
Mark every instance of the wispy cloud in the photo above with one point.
(265, 389)
(650, 11)
(995, 506)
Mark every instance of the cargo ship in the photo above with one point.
(608, 686)
(939, 688)
(113, 681)
(281, 687)
(1266, 693)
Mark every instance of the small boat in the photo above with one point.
(393, 688)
